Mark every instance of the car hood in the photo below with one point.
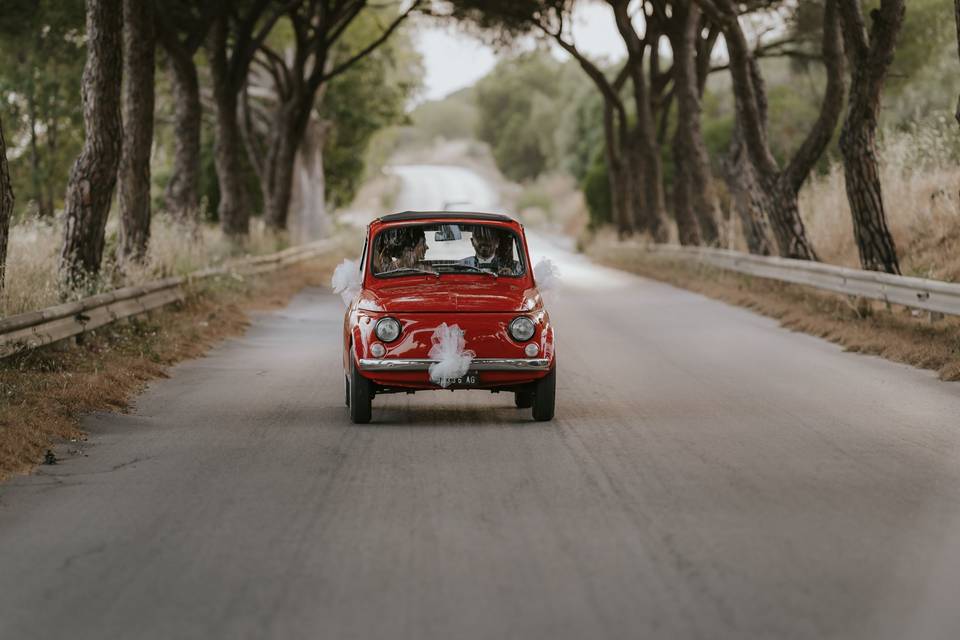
(445, 297)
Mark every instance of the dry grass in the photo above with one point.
(44, 393)
(31, 281)
(895, 334)
(920, 178)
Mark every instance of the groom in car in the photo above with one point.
(493, 251)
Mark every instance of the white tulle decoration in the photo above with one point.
(346, 280)
(547, 275)
(452, 360)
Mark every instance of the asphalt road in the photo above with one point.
(708, 475)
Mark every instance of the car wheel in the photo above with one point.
(544, 397)
(346, 391)
(361, 396)
(523, 399)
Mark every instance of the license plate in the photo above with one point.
(471, 379)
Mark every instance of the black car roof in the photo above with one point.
(449, 215)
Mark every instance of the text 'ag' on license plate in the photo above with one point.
(470, 379)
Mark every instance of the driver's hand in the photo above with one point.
(504, 271)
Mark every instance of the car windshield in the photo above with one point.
(439, 249)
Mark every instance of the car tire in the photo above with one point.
(523, 399)
(361, 396)
(346, 391)
(544, 397)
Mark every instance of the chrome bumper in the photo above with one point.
(478, 364)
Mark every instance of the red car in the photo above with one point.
(447, 301)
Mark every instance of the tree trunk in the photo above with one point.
(287, 129)
(785, 221)
(689, 148)
(6, 206)
(619, 189)
(774, 201)
(858, 144)
(94, 173)
(956, 11)
(281, 184)
(635, 194)
(687, 227)
(652, 184)
(182, 194)
(749, 199)
(615, 129)
(862, 178)
(233, 211)
(646, 154)
(623, 199)
(309, 192)
(133, 183)
(781, 186)
(647, 151)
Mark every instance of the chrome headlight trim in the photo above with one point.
(387, 329)
(522, 328)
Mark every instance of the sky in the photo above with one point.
(453, 59)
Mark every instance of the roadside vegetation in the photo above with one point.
(826, 91)
(35, 244)
(144, 139)
(858, 325)
(45, 392)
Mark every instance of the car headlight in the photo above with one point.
(387, 329)
(522, 328)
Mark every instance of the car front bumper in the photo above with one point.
(477, 364)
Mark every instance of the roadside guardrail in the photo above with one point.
(34, 329)
(918, 293)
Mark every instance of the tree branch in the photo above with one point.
(320, 75)
(831, 107)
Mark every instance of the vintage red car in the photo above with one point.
(447, 300)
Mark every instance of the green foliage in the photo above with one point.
(922, 83)
(454, 117)
(928, 29)
(372, 95)
(579, 136)
(505, 20)
(534, 197)
(793, 110)
(41, 44)
(517, 104)
(596, 191)
(718, 118)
